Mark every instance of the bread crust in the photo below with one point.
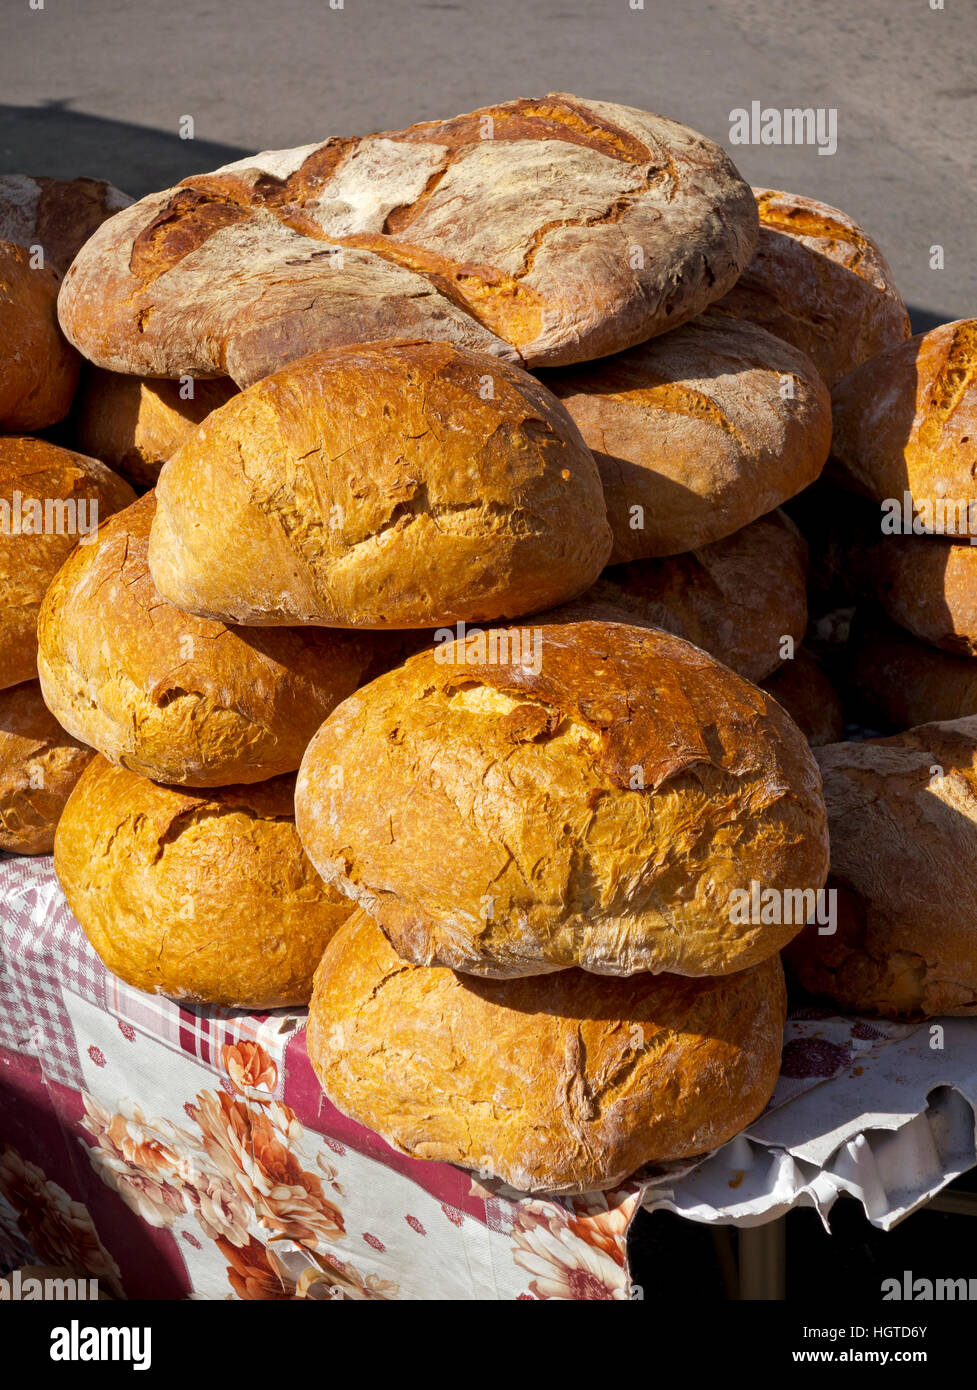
(29, 561)
(801, 687)
(903, 819)
(511, 836)
(388, 485)
(177, 698)
(906, 421)
(39, 766)
(817, 280)
(134, 424)
(736, 599)
(56, 214)
(564, 1084)
(927, 585)
(546, 231)
(693, 436)
(203, 896)
(902, 681)
(38, 368)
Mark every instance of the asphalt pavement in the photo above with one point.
(101, 87)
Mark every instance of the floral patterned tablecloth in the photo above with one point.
(172, 1152)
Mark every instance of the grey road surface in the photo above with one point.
(100, 86)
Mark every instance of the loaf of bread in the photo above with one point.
(809, 697)
(203, 896)
(38, 369)
(901, 681)
(386, 485)
(134, 424)
(906, 421)
(737, 599)
(926, 584)
(819, 281)
(903, 819)
(547, 230)
(177, 698)
(50, 499)
(39, 766)
(563, 1084)
(698, 433)
(591, 794)
(57, 215)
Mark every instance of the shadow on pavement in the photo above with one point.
(59, 143)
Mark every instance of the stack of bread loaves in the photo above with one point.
(550, 369)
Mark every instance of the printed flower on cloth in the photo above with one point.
(577, 1251)
(58, 1229)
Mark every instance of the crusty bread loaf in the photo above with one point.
(204, 896)
(50, 498)
(926, 584)
(903, 819)
(906, 421)
(59, 215)
(563, 1084)
(39, 765)
(737, 599)
(808, 696)
(693, 434)
(901, 681)
(594, 801)
(38, 369)
(177, 698)
(386, 485)
(819, 281)
(134, 424)
(549, 230)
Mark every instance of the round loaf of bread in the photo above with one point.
(695, 434)
(901, 681)
(806, 693)
(927, 585)
(591, 794)
(203, 896)
(39, 766)
(177, 698)
(565, 1084)
(38, 369)
(547, 230)
(134, 424)
(906, 421)
(903, 819)
(736, 599)
(50, 500)
(59, 215)
(387, 485)
(820, 282)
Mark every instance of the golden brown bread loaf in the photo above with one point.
(692, 434)
(50, 499)
(386, 485)
(736, 599)
(38, 369)
(58, 215)
(178, 698)
(808, 696)
(39, 766)
(545, 230)
(204, 896)
(903, 819)
(595, 800)
(902, 681)
(818, 281)
(563, 1084)
(134, 424)
(906, 421)
(926, 584)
